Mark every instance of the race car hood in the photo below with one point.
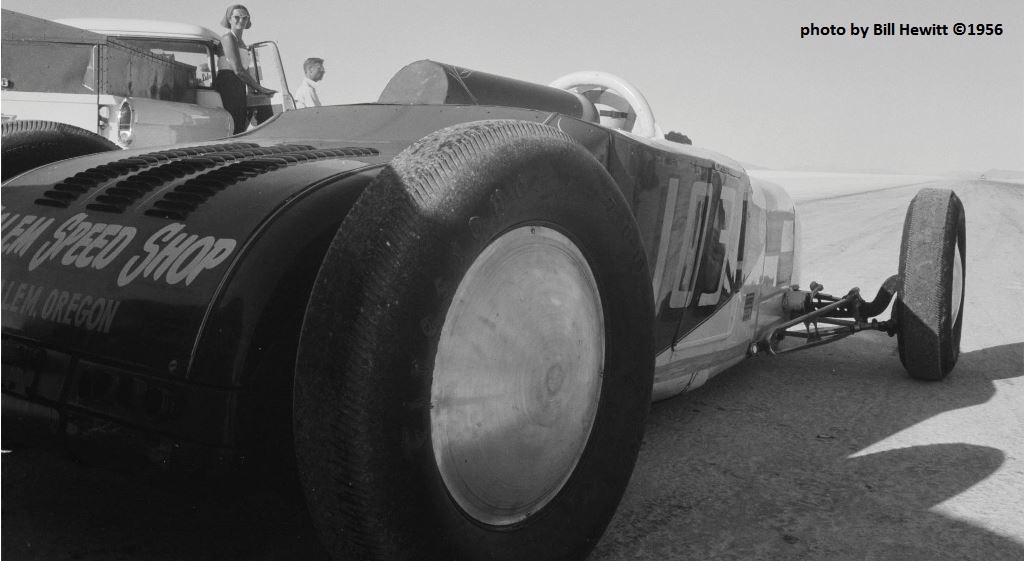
(123, 255)
(120, 255)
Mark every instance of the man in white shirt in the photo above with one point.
(305, 95)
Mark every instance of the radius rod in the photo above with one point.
(844, 316)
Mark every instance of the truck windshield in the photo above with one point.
(193, 53)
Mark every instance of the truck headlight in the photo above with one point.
(125, 119)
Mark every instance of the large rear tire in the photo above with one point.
(30, 144)
(930, 295)
(476, 360)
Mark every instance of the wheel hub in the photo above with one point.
(517, 377)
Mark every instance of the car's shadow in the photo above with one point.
(759, 464)
(62, 501)
(762, 463)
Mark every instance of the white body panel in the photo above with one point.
(79, 110)
(158, 122)
(771, 258)
(155, 122)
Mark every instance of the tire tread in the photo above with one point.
(928, 347)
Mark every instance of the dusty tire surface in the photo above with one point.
(393, 460)
(30, 144)
(930, 295)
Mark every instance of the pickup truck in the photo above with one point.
(79, 86)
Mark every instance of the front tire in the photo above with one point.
(30, 144)
(476, 361)
(930, 295)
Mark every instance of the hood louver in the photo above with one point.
(218, 165)
(185, 198)
(70, 189)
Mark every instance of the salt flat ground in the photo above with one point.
(834, 453)
(829, 454)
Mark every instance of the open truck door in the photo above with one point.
(270, 73)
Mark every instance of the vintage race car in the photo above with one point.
(456, 303)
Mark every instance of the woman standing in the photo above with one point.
(236, 70)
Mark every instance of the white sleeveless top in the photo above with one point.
(244, 56)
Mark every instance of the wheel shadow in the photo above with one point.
(762, 463)
(759, 464)
(59, 505)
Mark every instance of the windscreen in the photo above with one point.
(134, 73)
(192, 53)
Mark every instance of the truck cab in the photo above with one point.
(199, 47)
(137, 83)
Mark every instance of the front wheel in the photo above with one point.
(476, 361)
(930, 295)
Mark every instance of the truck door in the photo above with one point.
(270, 73)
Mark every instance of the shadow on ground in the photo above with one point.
(756, 465)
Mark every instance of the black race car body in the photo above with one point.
(152, 288)
(454, 305)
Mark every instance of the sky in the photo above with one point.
(733, 75)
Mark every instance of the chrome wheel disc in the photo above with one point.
(517, 376)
